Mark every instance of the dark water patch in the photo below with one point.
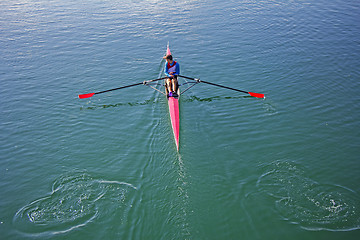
(312, 205)
(75, 201)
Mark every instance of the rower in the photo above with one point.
(172, 70)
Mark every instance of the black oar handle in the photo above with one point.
(190, 78)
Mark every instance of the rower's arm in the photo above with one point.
(166, 71)
(177, 69)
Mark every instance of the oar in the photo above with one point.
(87, 95)
(258, 95)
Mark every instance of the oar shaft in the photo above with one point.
(214, 84)
(132, 85)
(218, 85)
(258, 95)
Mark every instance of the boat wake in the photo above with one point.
(182, 192)
(75, 201)
(312, 205)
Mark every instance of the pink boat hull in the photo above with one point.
(174, 111)
(175, 119)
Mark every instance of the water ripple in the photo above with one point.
(75, 201)
(312, 205)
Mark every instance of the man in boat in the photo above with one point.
(172, 70)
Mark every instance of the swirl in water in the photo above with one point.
(75, 201)
(312, 205)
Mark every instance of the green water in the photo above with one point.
(283, 167)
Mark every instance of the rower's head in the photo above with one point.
(169, 58)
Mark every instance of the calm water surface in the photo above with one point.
(283, 167)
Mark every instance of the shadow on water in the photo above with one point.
(312, 205)
(268, 107)
(76, 200)
(131, 104)
(210, 99)
(154, 101)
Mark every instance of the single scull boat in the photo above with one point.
(173, 103)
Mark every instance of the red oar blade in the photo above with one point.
(258, 95)
(86, 95)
